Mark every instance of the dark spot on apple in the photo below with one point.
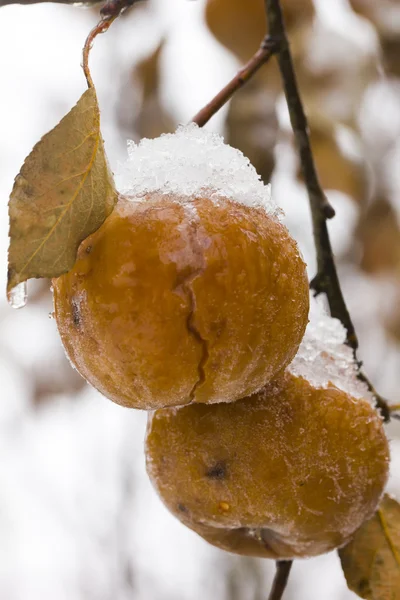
(217, 471)
(76, 313)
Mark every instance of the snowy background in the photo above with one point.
(78, 518)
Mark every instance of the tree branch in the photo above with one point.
(114, 6)
(326, 279)
(283, 568)
(263, 54)
(26, 2)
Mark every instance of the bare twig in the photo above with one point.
(263, 54)
(394, 411)
(111, 4)
(326, 279)
(113, 8)
(283, 568)
(71, 2)
(380, 402)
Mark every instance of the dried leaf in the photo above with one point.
(371, 561)
(247, 118)
(64, 192)
(378, 13)
(240, 25)
(378, 232)
(335, 170)
(390, 44)
(141, 112)
(152, 118)
(148, 71)
(391, 320)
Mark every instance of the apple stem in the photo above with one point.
(281, 578)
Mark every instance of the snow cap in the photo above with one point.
(323, 357)
(189, 163)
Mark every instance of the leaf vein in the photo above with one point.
(388, 537)
(68, 206)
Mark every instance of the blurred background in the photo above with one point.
(78, 518)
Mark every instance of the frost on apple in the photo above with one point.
(192, 290)
(189, 163)
(324, 358)
(17, 296)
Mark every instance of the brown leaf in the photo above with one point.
(377, 13)
(391, 53)
(240, 26)
(247, 118)
(335, 170)
(378, 232)
(150, 119)
(148, 72)
(64, 192)
(371, 561)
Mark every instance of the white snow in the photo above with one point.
(71, 526)
(190, 162)
(324, 358)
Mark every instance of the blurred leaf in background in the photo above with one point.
(371, 562)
